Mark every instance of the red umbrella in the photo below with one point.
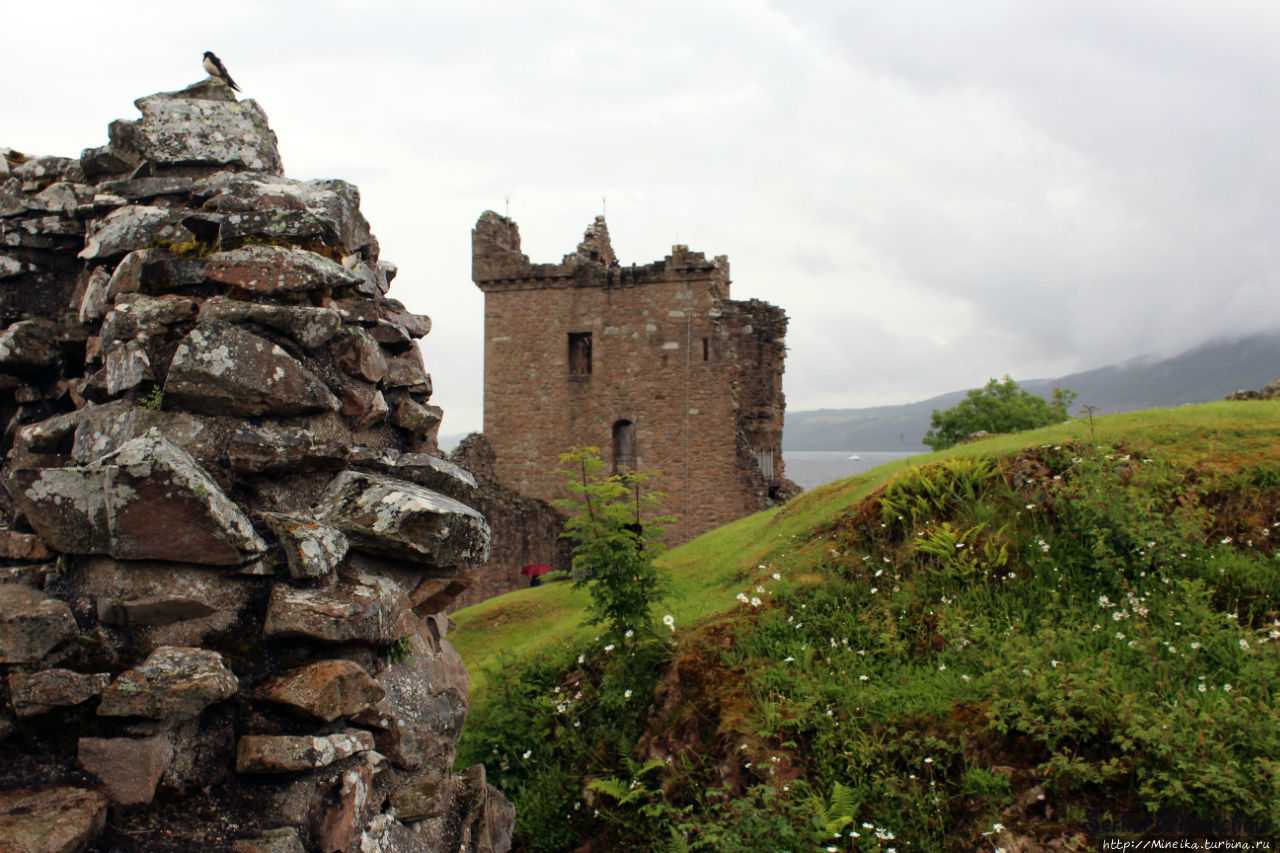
(534, 570)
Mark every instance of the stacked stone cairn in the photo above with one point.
(227, 541)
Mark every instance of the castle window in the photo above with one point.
(624, 446)
(764, 460)
(579, 353)
(706, 349)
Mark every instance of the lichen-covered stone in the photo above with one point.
(313, 550)
(149, 500)
(311, 327)
(35, 693)
(276, 270)
(31, 623)
(173, 682)
(331, 200)
(364, 609)
(290, 753)
(134, 227)
(323, 443)
(420, 719)
(176, 130)
(221, 369)
(405, 520)
(160, 602)
(29, 343)
(324, 690)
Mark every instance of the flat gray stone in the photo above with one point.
(309, 326)
(220, 369)
(134, 227)
(400, 519)
(277, 270)
(330, 200)
(176, 129)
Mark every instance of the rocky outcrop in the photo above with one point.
(1270, 391)
(227, 539)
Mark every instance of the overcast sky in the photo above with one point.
(936, 192)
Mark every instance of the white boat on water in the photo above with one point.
(856, 457)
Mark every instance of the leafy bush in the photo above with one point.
(616, 541)
(1002, 406)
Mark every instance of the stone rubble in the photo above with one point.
(228, 540)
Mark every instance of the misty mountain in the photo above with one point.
(1207, 372)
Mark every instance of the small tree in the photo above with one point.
(615, 545)
(999, 407)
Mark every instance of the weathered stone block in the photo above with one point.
(283, 840)
(134, 227)
(366, 609)
(173, 682)
(291, 753)
(220, 369)
(130, 768)
(147, 501)
(325, 690)
(310, 327)
(29, 343)
(178, 130)
(31, 623)
(405, 520)
(37, 692)
(58, 819)
(332, 200)
(275, 270)
(312, 550)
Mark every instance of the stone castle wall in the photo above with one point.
(227, 544)
(654, 363)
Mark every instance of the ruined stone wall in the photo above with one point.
(227, 544)
(525, 530)
(670, 353)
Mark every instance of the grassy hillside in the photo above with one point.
(1048, 638)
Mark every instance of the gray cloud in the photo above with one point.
(937, 193)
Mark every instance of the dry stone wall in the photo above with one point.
(227, 541)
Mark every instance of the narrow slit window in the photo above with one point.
(624, 446)
(579, 353)
(706, 349)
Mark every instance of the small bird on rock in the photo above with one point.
(214, 66)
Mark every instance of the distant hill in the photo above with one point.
(1207, 372)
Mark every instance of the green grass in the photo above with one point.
(709, 571)
(1091, 616)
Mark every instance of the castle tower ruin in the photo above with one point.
(655, 365)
